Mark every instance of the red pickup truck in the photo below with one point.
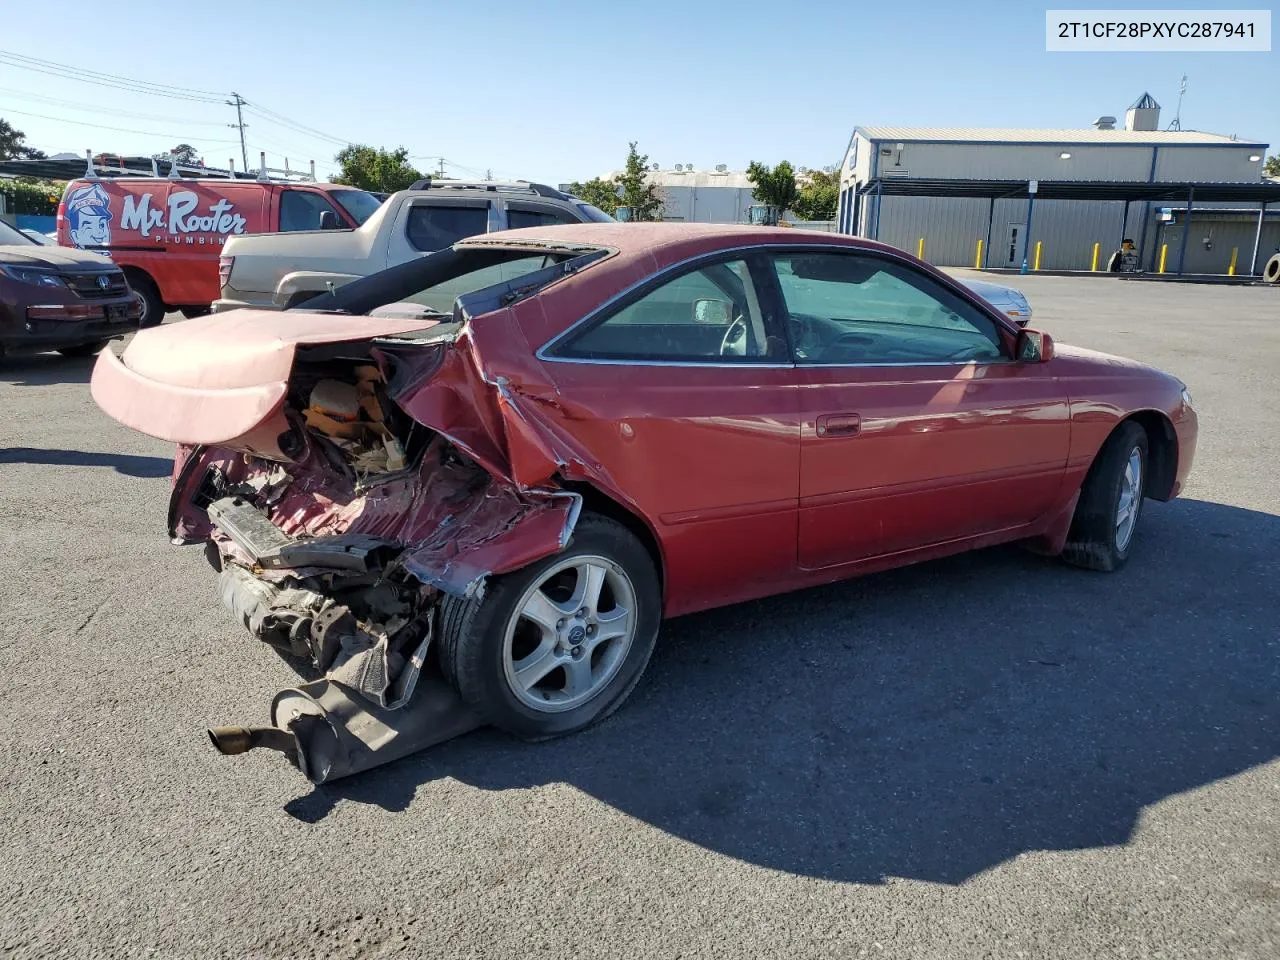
(167, 233)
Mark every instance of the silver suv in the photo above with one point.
(279, 270)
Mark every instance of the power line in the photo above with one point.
(102, 126)
(71, 72)
(272, 117)
(92, 108)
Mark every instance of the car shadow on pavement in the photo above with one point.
(45, 369)
(930, 722)
(128, 464)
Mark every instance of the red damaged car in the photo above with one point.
(493, 471)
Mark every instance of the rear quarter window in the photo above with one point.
(433, 227)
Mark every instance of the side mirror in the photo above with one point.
(712, 313)
(1034, 346)
(329, 220)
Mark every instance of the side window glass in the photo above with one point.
(433, 227)
(708, 314)
(517, 218)
(300, 210)
(848, 308)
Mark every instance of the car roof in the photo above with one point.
(667, 243)
(638, 251)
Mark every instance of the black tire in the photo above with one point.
(193, 311)
(83, 349)
(152, 306)
(1092, 541)
(472, 635)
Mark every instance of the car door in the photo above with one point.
(685, 392)
(919, 427)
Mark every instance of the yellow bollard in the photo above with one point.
(920, 249)
(1038, 245)
(1164, 252)
(1097, 248)
(977, 257)
(1231, 267)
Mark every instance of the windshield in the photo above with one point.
(9, 235)
(358, 203)
(593, 214)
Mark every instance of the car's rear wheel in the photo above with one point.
(1106, 517)
(194, 310)
(560, 644)
(83, 349)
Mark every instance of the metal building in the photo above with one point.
(950, 228)
(698, 196)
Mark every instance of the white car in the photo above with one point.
(1005, 299)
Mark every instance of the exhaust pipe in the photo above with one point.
(329, 731)
(230, 741)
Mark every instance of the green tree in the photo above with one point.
(373, 168)
(598, 193)
(819, 196)
(184, 153)
(1272, 166)
(774, 186)
(638, 193)
(13, 144)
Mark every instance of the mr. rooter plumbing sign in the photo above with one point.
(95, 210)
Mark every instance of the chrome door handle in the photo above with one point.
(839, 425)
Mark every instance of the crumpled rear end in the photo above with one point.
(340, 505)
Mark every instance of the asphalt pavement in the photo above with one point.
(994, 755)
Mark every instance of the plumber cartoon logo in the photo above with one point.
(89, 216)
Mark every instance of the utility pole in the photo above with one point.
(239, 102)
(1177, 116)
(442, 168)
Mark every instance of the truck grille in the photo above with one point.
(89, 286)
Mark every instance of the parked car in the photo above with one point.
(57, 299)
(641, 421)
(1007, 300)
(167, 233)
(276, 272)
(35, 236)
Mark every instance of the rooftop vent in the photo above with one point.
(1144, 114)
(722, 167)
(1105, 123)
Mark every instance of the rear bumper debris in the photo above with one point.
(328, 731)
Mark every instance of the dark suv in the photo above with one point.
(59, 298)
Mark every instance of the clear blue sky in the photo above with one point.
(553, 91)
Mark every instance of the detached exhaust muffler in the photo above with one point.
(329, 731)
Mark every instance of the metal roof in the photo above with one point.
(1055, 136)
(1253, 191)
(736, 179)
(1145, 102)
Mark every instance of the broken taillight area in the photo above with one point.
(340, 551)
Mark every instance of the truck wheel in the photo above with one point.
(83, 349)
(193, 311)
(1110, 503)
(560, 644)
(152, 306)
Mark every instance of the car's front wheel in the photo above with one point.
(558, 645)
(1110, 504)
